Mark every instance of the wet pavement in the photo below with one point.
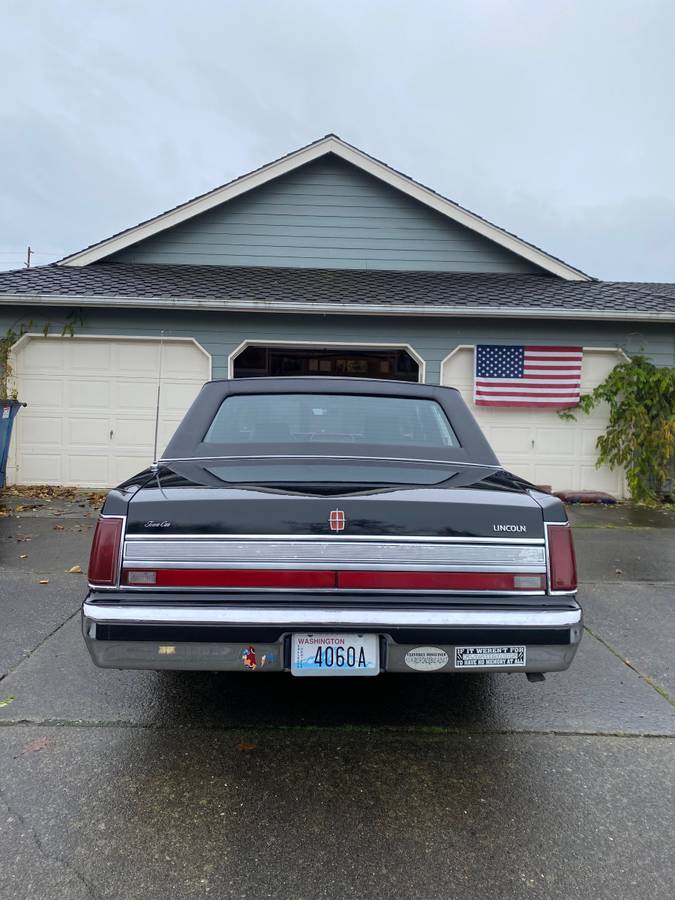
(143, 784)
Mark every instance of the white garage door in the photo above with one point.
(536, 443)
(90, 418)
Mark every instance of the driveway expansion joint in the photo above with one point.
(34, 650)
(438, 731)
(659, 689)
(50, 857)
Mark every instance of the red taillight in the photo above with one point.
(238, 578)
(105, 551)
(562, 562)
(326, 579)
(440, 581)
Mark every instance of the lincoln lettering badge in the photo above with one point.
(337, 520)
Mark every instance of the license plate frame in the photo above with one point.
(307, 661)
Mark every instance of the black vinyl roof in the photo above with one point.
(233, 286)
(185, 446)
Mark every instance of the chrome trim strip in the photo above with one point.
(322, 617)
(338, 592)
(411, 459)
(256, 565)
(385, 538)
(334, 554)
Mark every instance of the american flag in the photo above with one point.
(527, 376)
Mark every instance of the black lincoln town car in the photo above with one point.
(331, 527)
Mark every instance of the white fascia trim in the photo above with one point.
(320, 344)
(355, 309)
(300, 157)
(31, 335)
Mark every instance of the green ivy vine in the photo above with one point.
(640, 435)
(12, 335)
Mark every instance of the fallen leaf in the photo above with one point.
(7, 701)
(246, 748)
(75, 570)
(43, 581)
(38, 744)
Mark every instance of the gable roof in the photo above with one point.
(329, 291)
(326, 145)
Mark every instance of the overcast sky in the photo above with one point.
(552, 118)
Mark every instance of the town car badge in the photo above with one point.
(337, 520)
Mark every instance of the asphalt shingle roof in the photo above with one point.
(341, 288)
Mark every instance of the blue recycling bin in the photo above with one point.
(8, 411)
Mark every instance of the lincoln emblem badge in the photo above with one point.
(337, 520)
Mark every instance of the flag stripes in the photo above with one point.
(527, 375)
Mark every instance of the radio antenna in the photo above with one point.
(159, 397)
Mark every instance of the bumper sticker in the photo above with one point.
(250, 659)
(426, 659)
(489, 657)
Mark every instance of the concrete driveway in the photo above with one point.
(149, 785)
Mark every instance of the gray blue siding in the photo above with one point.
(327, 214)
(432, 338)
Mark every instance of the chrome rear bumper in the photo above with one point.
(213, 637)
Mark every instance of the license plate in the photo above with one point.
(489, 657)
(335, 654)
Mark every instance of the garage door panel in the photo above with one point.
(136, 396)
(589, 437)
(45, 393)
(603, 479)
(511, 439)
(130, 432)
(86, 469)
(44, 355)
(88, 393)
(555, 441)
(87, 432)
(176, 358)
(40, 431)
(137, 357)
(596, 367)
(79, 390)
(87, 356)
(537, 443)
(41, 468)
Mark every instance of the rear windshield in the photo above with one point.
(330, 418)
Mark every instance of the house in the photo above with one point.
(324, 262)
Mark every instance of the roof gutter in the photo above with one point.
(351, 309)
